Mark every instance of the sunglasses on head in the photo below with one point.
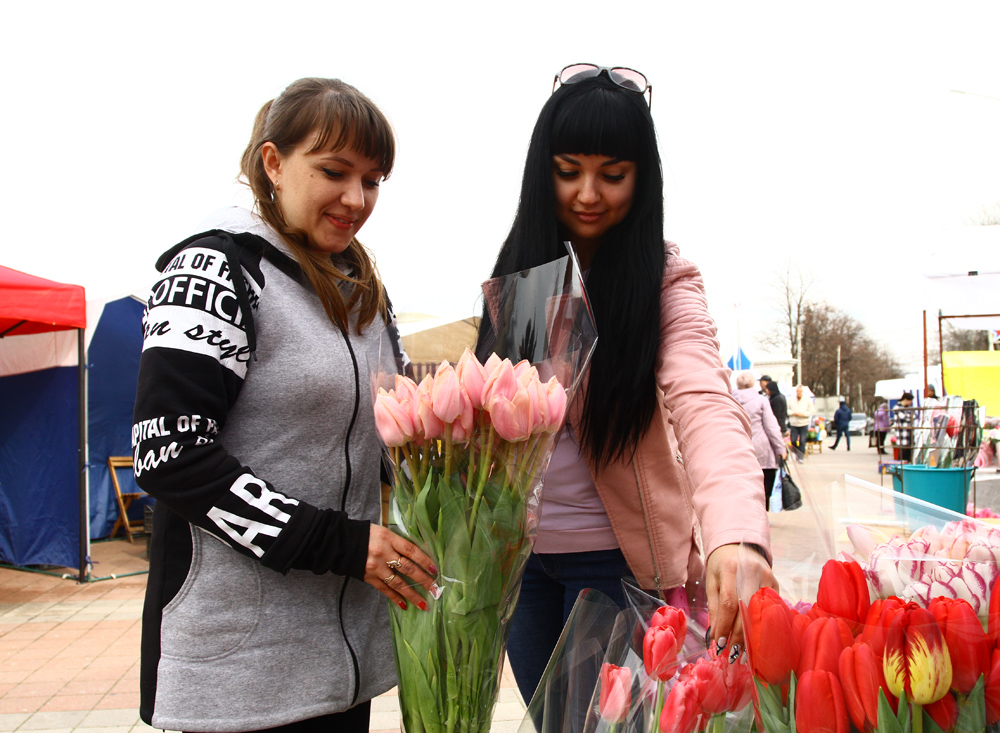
(630, 79)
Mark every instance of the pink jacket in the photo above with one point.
(767, 440)
(695, 469)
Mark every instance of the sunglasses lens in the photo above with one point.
(578, 72)
(629, 78)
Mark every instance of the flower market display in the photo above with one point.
(468, 447)
(900, 633)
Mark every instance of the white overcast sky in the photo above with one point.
(825, 135)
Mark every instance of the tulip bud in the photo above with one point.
(445, 396)
(557, 405)
(993, 690)
(392, 421)
(861, 678)
(916, 657)
(843, 592)
(659, 652)
(968, 645)
(819, 704)
(472, 376)
(681, 712)
(616, 693)
(501, 382)
(770, 618)
(821, 644)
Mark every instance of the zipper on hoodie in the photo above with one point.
(343, 505)
(645, 519)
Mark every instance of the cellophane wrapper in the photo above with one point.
(909, 553)
(472, 505)
(597, 634)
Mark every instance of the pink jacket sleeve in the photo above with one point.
(712, 430)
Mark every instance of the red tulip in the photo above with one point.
(616, 692)
(994, 615)
(681, 711)
(843, 592)
(721, 687)
(861, 678)
(659, 652)
(880, 615)
(968, 645)
(822, 642)
(675, 618)
(819, 704)
(916, 657)
(993, 689)
(944, 712)
(772, 645)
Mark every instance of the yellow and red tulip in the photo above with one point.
(916, 657)
(819, 704)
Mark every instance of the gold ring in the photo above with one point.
(395, 564)
(389, 580)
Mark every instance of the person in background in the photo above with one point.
(764, 379)
(779, 405)
(768, 442)
(902, 422)
(842, 424)
(655, 475)
(881, 426)
(254, 430)
(799, 412)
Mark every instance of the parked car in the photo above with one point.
(860, 423)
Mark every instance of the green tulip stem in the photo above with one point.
(448, 452)
(917, 717)
(612, 727)
(661, 698)
(414, 472)
(718, 724)
(481, 481)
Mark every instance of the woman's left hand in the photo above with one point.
(723, 602)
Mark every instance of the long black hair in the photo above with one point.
(597, 117)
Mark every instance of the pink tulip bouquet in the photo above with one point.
(468, 447)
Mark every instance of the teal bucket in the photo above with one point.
(946, 487)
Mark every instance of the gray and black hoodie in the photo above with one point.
(254, 432)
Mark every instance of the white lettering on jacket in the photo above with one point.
(228, 522)
(152, 460)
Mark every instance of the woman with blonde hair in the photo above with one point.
(254, 430)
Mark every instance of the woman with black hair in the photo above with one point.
(656, 451)
(779, 405)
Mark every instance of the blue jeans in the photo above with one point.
(548, 591)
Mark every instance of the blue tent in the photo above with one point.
(41, 511)
(740, 361)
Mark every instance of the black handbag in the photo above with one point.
(791, 497)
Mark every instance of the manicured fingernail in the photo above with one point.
(734, 653)
(422, 605)
(435, 591)
(708, 635)
(720, 644)
(402, 604)
(433, 569)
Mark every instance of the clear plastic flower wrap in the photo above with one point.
(644, 669)
(467, 450)
(887, 619)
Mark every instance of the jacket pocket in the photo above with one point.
(217, 608)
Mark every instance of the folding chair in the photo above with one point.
(124, 500)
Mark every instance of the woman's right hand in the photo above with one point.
(384, 547)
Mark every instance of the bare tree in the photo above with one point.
(963, 339)
(790, 302)
(987, 215)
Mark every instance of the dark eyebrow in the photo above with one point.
(346, 162)
(573, 161)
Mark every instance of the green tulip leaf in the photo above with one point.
(929, 725)
(972, 710)
(791, 703)
(887, 720)
(772, 712)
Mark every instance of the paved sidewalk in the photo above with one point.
(69, 653)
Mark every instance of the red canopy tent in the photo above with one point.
(30, 305)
